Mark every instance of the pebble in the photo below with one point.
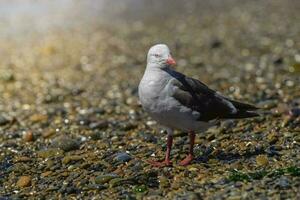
(3, 120)
(283, 182)
(71, 158)
(262, 160)
(66, 143)
(24, 181)
(45, 174)
(268, 104)
(117, 182)
(48, 133)
(101, 179)
(122, 157)
(127, 126)
(99, 124)
(294, 112)
(23, 159)
(272, 138)
(28, 136)
(35, 118)
(49, 153)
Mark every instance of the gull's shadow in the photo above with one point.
(226, 156)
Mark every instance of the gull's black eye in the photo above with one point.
(156, 55)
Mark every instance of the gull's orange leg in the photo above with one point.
(167, 161)
(190, 156)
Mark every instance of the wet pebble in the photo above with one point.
(66, 143)
(99, 124)
(262, 160)
(283, 182)
(24, 181)
(3, 120)
(71, 158)
(48, 133)
(126, 126)
(101, 179)
(272, 138)
(294, 112)
(122, 157)
(28, 136)
(49, 153)
(216, 43)
(35, 118)
(148, 137)
(268, 104)
(117, 181)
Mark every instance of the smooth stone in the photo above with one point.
(3, 120)
(267, 104)
(70, 158)
(99, 124)
(66, 143)
(127, 126)
(262, 160)
(50, 153)
(122, 157)
(35, 118)
(101, 179)
(24, 181)
(117, 181)
(294, 112)
(48, 133)
(28, 136)
(283, 182)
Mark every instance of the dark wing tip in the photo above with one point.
(240, 114)
(243, 106)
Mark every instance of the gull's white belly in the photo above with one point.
(177, 117)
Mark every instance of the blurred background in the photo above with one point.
(69, 71)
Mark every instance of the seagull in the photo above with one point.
(177, 101)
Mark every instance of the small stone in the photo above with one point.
(68, 159)
(45, 174)
(272, 138)
(24, 181)
(294, 112)
(3, 120)
(48, 133)
(278, 61)
(99, 125)
(101, 179)
(262, 160)
(22, 159)
(163, 182)
(49, 153)
(122, 157)
(148, 137)
(35, 118)
(268, 104)
(117, 181)
(216, 43)
(7, 76)
(286, 120)
(283, 182)
(28, 136)
(97, 135)
(127, 126)
(66, 143)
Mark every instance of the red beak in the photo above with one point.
(171, 61)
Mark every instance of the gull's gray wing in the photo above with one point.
(197, 96)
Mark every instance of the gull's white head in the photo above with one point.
(160, 55)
